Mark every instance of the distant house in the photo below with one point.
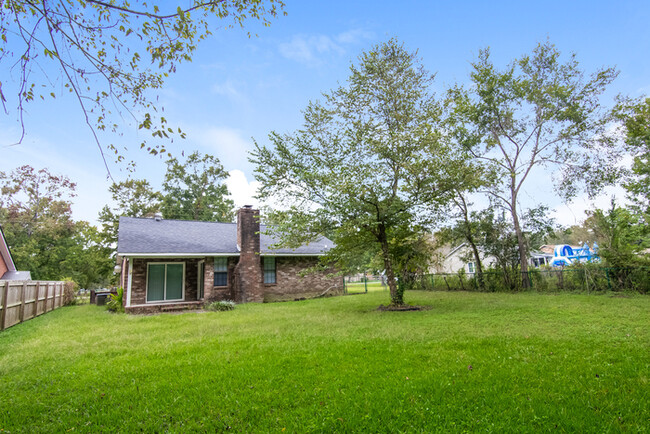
(168, 264)
(7, 267)
(453, 259)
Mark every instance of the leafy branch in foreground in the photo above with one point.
(108, 55)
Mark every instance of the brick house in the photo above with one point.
(173, 264)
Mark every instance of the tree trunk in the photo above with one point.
(470, 240)
(396, 296)
(521, 244)
(479, 266)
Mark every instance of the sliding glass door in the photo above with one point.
(165, 281)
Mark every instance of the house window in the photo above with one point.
(165, 281)
(470, 267)
(269, 269)
(221, 271)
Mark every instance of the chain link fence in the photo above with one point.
(584, 279)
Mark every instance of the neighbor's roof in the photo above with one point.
(16, 275)
(144, 236)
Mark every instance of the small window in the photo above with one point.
(220, 271)
(470, 267)
(269, 269)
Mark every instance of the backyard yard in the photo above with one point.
(472, 362)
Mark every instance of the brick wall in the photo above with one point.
(139, 278)
(291, 285)
(248, 286)
(219, 293)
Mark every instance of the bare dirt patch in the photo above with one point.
(402, 308)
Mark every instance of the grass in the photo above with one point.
(360, 287)
(474, 362)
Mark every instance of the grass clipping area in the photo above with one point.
(472, 362)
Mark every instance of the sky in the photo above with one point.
(238, 89)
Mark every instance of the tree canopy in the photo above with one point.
(133, 198)
(36, 217)
(367, 166)
(635, 116)
(194, 189)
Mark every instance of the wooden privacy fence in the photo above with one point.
(24, 300)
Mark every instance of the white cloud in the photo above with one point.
(574, 212)
(229, 90)
(313, 49)
(227, 144)
(355, 36)
(241, 191)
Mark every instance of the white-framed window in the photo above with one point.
(165, 281)
(221, 271)
(269, 269)
(470, 267)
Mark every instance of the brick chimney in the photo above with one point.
(248, 271)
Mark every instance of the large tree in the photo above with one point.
(109, 54)
(366, 166)
(622, 236)
(132, 198)
(539, 112)
(87, 259)
(468, 180)
(36, 216)
(635, 116)
(194, 189)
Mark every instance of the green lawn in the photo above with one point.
(474, 362)
(360, 287)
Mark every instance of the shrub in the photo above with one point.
(115, 303)
(70, 289)
(220, 305)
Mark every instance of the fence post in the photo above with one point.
(609, 282)
(38, 294)
(47, 294)
(22, 302)
(4, 306)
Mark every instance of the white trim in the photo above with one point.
(292, 254)
(6, 253)
(128, 290)
(174, 255)
(202, 255)
(199, 278)
(146, 292)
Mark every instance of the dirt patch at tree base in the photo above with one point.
(402, 308)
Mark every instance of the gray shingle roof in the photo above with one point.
(184, 237)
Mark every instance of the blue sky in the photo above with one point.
(238, 88)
